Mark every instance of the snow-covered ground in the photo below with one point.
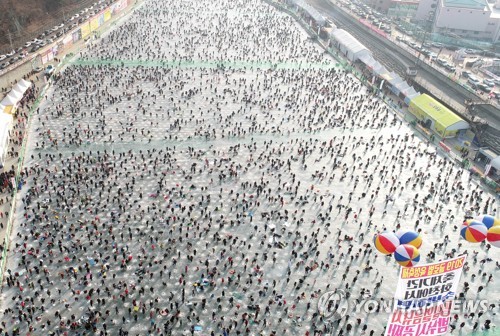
(204, 157)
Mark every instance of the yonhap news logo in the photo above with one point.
(334, 305)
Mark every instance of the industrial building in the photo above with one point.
(468, 19)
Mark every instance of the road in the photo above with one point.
(397, 59)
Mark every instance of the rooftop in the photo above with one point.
(471, 4)
(495, 12)
(437, 111)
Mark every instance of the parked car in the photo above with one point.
(12, 53)
(27, 44)
(450, 67)
(2, 57)
(473, 80)
(38, 69)
(441, 61)
(4, 65)
(489, 82)
(484, 87)
(465, 74)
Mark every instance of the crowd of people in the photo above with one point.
(218, 182)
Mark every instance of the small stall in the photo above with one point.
(15, 96)
(6, 122)
(490, 162)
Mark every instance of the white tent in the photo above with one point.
(495, 163)
(348, 45)
(9, 101)
(379, 69)
(5, 127)
(410, 92)
(395, 79)
(403, 86)
(22, 86)
(25, 82)
(320, 20)
(368, 60)
(15, 95)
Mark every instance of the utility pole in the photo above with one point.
(427, 29)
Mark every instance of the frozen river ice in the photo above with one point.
(207, 158)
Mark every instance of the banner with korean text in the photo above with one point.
(77, 35)
(100, 18)
(94, 23)
(424, 298)
(85, 28)
(107, 14)
(68, 40)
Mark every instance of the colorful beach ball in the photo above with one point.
(494, 236)
(386, 242)
(488, 220)
(409, 237)
(407, 255)
(474, 231)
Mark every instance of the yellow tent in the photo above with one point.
(436, 116)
